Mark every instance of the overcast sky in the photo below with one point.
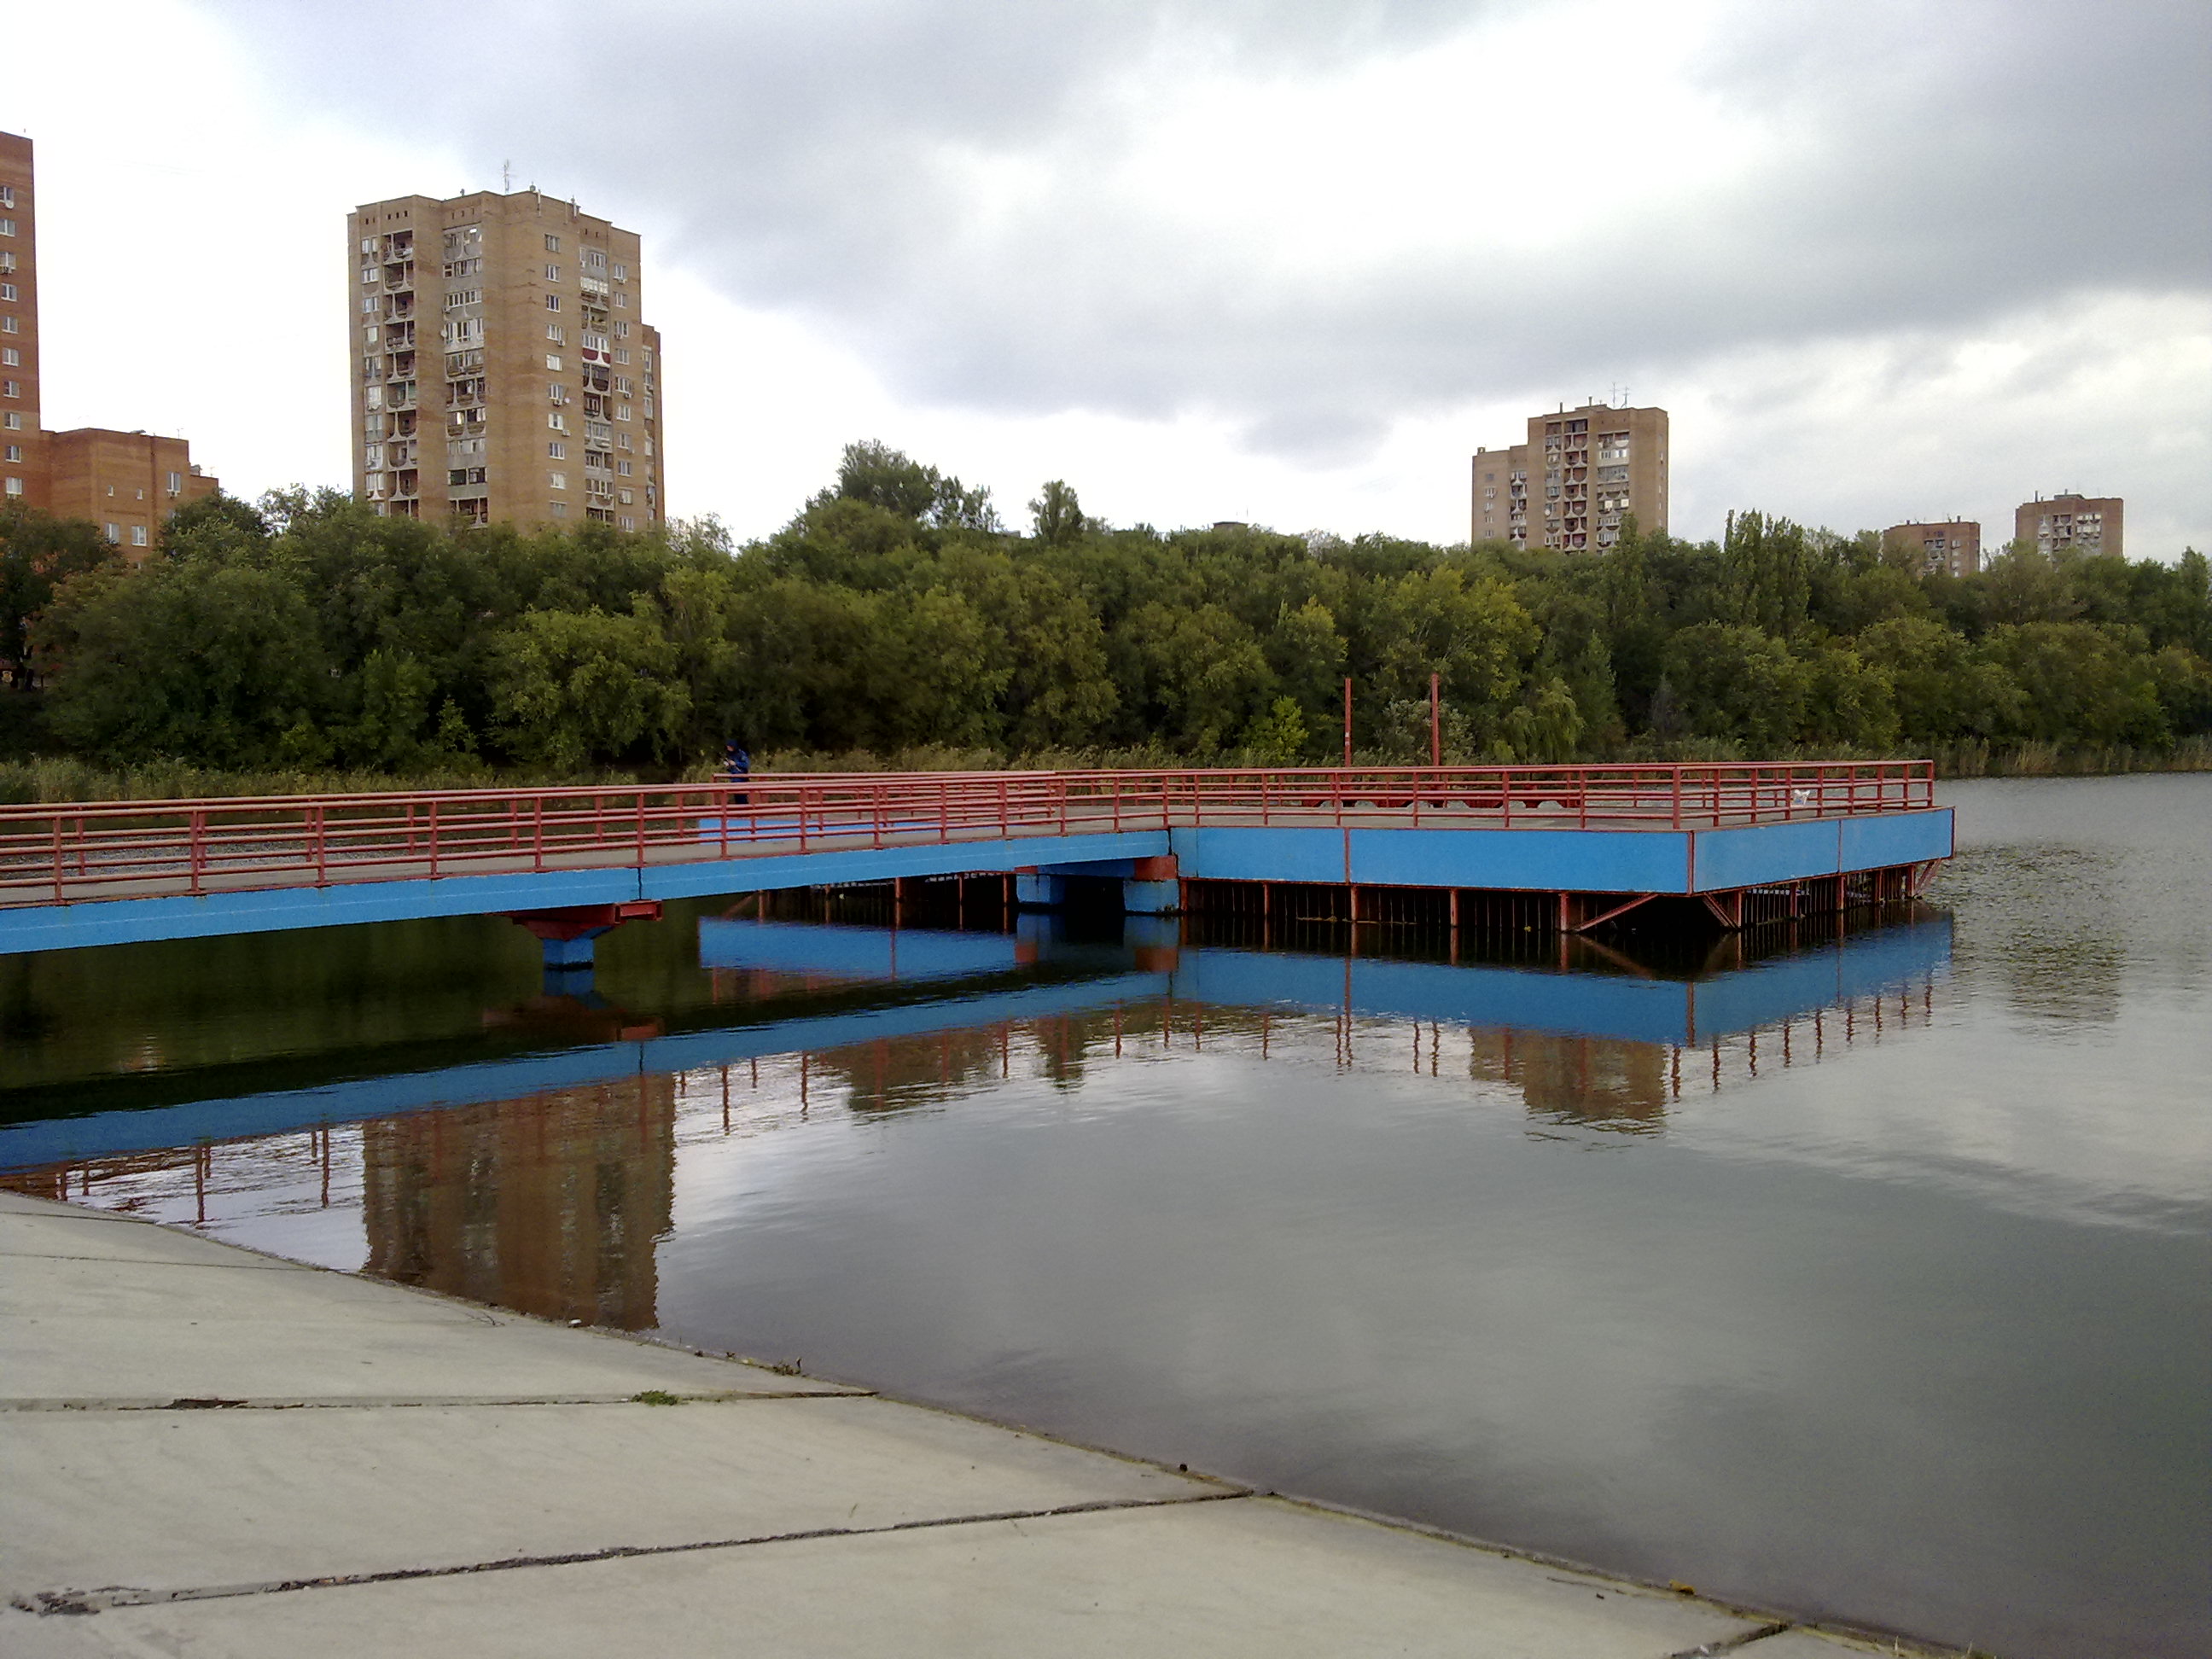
(1283, 262)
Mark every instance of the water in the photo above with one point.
(1865, 1277)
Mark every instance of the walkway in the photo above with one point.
(211, 1450)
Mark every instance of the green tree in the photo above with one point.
(1738, 684)
(38, 554)
(192, 660)
(570, 690)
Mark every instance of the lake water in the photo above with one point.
(1863, 1275)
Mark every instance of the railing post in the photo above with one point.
(198, 845)
(537, 832)
(434, 841)
(318, 815)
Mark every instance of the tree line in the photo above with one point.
(896, 612)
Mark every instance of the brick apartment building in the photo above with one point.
(503, 371)
(1951, 544)
(2085, 523)
(1580, 471)
(127, 483)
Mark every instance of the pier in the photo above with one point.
(1577, 847)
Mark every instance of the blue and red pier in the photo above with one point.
(1572, 847)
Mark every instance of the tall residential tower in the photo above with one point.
(1569, 485)
(503, 371)
(2084, 524)
(126, 482)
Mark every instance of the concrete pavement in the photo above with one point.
(208, 1451)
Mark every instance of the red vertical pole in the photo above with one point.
(1347, 720)
(1435, 721)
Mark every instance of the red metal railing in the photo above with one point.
(64, 853)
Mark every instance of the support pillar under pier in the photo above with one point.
(568, 938)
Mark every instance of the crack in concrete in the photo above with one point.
(382, 1403)
(114, 1261)
(1734, 1644)
(53, 1603)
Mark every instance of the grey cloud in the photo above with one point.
(1931, 165)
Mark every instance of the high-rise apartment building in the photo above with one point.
(2085, 523)
(1953, 544)
(1579, 473)
(22, 444)
(126, 482)
(504, 370)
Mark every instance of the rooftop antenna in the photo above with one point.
(507, 178)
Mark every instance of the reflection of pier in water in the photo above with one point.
(549, 1199)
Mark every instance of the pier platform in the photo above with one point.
(1743, 842)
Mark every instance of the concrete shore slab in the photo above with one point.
(348, 1515)
(304, 1494)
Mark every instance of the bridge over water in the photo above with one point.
(1591, 844)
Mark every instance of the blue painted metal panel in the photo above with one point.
(1908, 838)
(1760, 853)
(882, 863)
(129, 921)
(1550, 861)
(1314, 855)
(880, 953)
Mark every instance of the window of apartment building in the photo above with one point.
(621, 273)
(621, 302)
(456, 298)
(7, 227)
(556, 451)
(557, 334)
(622, 411)
(10, 325)
(7, 290)
(552, 302)
(7, 195)
(557, 420)
(14, 453)
(626, 496)
(138, 535)
(622, 467)
(11, 388)
(622, 355)
(552, 273)
(553, 361)
(14, 485)
(7, 260)
(595, 258)
(114, 532)
(11, 421)
(176, 483)
(552, 244)
(557, 393)
(621, 331)
(10, 358)
(558, 509)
